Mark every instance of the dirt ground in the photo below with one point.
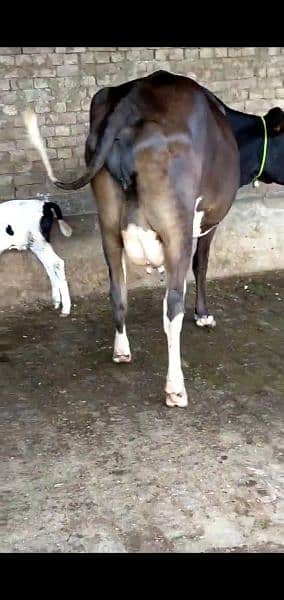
(93, 460)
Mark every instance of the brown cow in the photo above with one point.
(165, 159)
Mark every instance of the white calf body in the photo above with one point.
(20, 229)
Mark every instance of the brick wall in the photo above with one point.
(59, 84)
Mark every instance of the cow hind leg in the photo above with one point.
(109, 199)
(118, 297)
(202, 316)
(173, 313)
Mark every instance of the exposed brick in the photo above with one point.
(65, 142)
(61, 118)
(56, 59)
(39, 50)
(102, 57)
(89, 80)
(59, 107)
(67, 70)
(9, 97)
(29, 191)
(7, 60)
(120, 56)
(71, 163)
(47, 131)
(62, 130)
(4, 84)
(8, 193)
(5, 167)
(12, 133)
(64, 153)
(38, 59)
(83, 117)
(34, 95)
(71, 59)
(42, 107)
(85, 104)
(33, 155)
(176, 54)
(88, 57)
(260, 71)
(191, 53)
(234, 52)
(21, 84)
(78, 129)
(221, 52)
(206, 52)
(29, 178)
(105, 49)
(9, 72)
(248, 51)
(43, 72)
(41, 83)
(146, 54)
(23, 60)
(257, 106)
(6, 180)
(255, 94)
(4, 157)
(161, 54)
(73, 105)
(78, 49)
(273, 51)
(12, 50)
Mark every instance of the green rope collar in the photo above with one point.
(264, 155)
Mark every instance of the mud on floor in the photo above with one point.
(93, 461)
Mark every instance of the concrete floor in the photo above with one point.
(93, 461)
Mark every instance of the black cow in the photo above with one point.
(165, 159)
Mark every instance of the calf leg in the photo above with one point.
(173, 313)
(199, 266)
(54, 266)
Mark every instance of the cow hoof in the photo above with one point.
(64, 314)
(121, 358)
(205, 321)
(56, 305)
(179, 400)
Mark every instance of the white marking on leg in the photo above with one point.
(121, 351)
(197, 218)
(123, 265)
(175, 390)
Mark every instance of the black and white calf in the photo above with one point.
(26, 225)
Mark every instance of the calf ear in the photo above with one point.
(275, 121)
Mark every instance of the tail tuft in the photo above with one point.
(31, 124)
